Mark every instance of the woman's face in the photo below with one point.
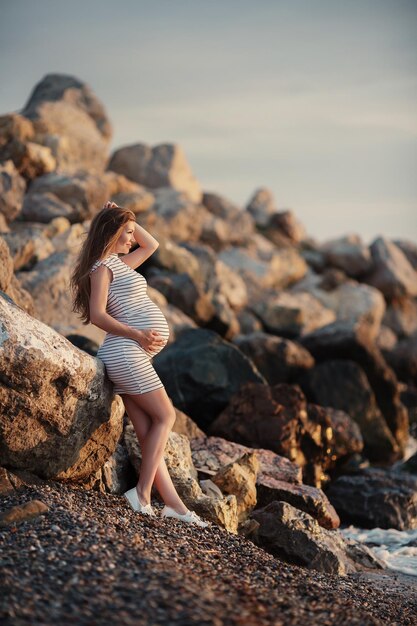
(126, 239)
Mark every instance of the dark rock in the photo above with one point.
(296, 537)
(348, 439)
(403, 359)
(304, 497)
(88, 345)
(343, 385)
(376, 498)
(346, 340)
(401, 316)
(278, 418)
(279, 360)
(201, 372)
(391, 273)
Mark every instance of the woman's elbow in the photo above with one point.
(96, 317)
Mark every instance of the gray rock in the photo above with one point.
(376, 498)
(347, 340)
(343, 385)
(261, 206)
(164, 165)
(348, 253)
(392, 273)
(44, 207)
(84, 192)
(201, 372)
(292, 314)
(279, 360)
(295, 536)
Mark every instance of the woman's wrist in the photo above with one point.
(135, 333)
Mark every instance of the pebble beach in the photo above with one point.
(89, 558)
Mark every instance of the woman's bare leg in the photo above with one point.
(142, 423)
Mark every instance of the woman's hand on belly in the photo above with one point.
(150, 340)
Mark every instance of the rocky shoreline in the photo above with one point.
(291, 365)
(89, 558)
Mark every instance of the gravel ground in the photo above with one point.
(91, 560)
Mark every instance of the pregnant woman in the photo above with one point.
(108, 292)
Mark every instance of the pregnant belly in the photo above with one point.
(152, 319)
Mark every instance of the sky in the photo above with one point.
(314, 99)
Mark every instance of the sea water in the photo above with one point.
(396, 548)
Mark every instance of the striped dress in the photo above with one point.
(128, 365)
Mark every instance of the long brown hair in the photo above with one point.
(105, 229)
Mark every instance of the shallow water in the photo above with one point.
(397, 548)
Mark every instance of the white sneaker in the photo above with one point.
(133, 499)
(190, 516)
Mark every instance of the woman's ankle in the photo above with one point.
(143, 498)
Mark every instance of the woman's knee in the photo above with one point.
(167, 417)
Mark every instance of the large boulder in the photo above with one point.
(279, 418)
(58, 416)
(69, 119)
(211, 453)
(174, 216)
(279, 360)
(376, 497)
(201, 372)
(76, 197)
(294, 536)
(403, 359)
(274, 269)
(401, 316)
(350, 340)
(409, 248)
(227, 224)
(9, 284)
(292, 314)
(49, 285)
(261, 206)
(349, 254)
(342, 384)
(164, 165)
(391, 272)
(350, 300)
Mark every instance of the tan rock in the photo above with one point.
(49, 285)
(52, 397)
(293, 313)
(211, 453)
(69, 119)
(184, 476)
(164, 165)
(12, 190)
(239, 478)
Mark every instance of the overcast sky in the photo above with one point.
(314, 99)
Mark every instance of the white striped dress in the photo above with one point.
(128, 365)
